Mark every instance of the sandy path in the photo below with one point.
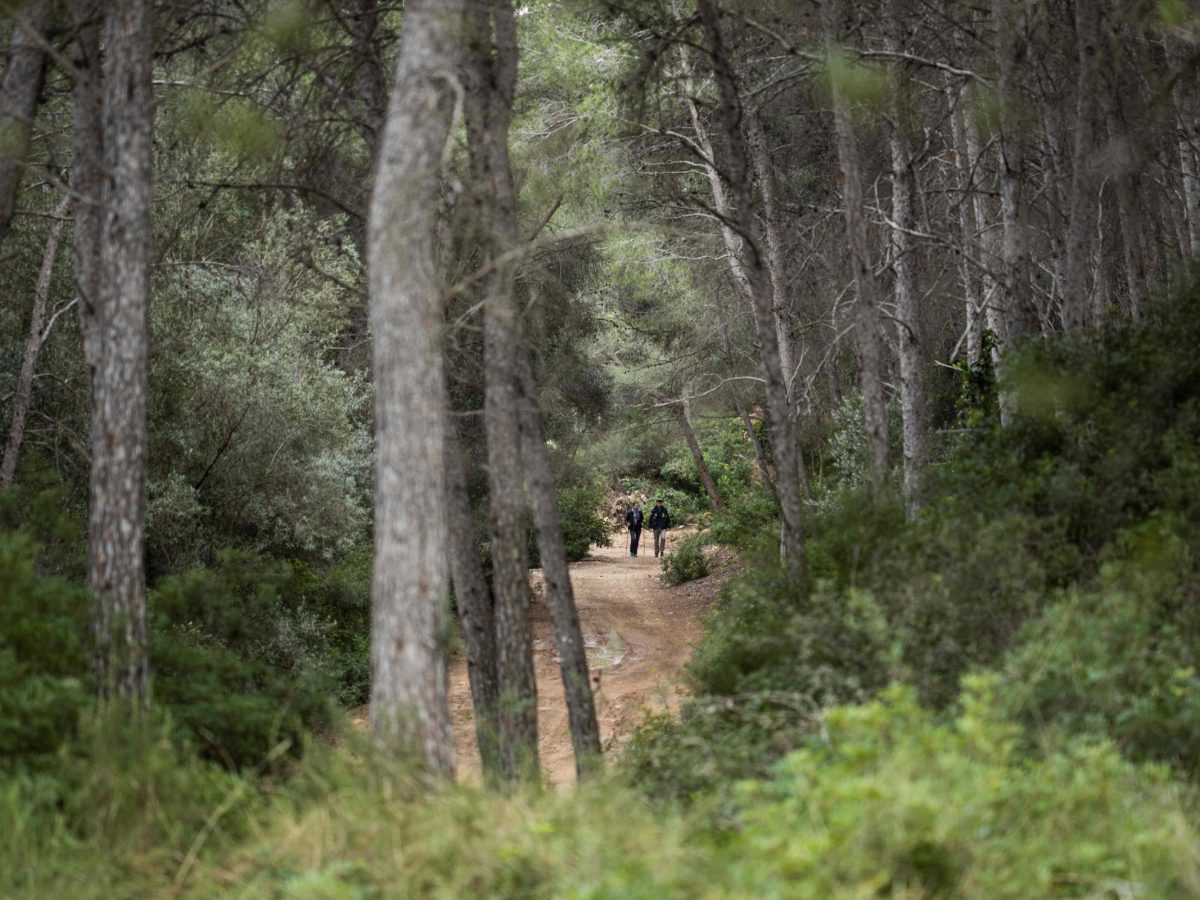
(639, 633)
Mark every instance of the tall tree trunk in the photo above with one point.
(87, 175)
(409, 692)
(491, 81)
(116, 517)
(764, 169)
(991, 253)
(760, 456)
(1133, 254)
(706, 479)
(741, 199)
(908, 334)
(18, 103)
(556, 576)
(968, 226)
(1017, 308)
(473, 599)
(1074, 289)
(23, 396)
(866, 314)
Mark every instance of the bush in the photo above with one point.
(686, 562)
(1120, 659)
(44, 675)
(887, 802)
(239, 666)
(584, 522)
(768, 635)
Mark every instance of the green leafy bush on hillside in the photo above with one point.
(686, 561)
(881, 800)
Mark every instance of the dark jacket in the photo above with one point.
(633, 519)
(660, 518)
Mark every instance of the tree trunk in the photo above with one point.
(968, 226)
(760, 457)
(706, 479)
(1074, 289)
(87, 175)
(741, 199)
(991, 256)
(38, 330)
(556, 576)
(1017, 311)
(491, 80)
(789, 357)
(908, 339)
(116, 516)
(473, 600)
(1133, 254)
(18, 103)
(409, 692)
(866, 315)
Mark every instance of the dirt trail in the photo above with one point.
(639, 633)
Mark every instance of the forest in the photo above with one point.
(341, 338)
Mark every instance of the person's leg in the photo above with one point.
(660, 542)
(634, 534)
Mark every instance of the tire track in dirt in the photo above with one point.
(639, 633)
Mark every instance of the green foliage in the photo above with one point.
(767, 635)
(583, 520)
(261, 439)
(686, 561)
(244, 656)
(882, 800)
(890, 803)
(1120, 658)
(240, 665)
(44, 679)
(714, 743)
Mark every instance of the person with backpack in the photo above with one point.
(660, 522)
(633, 519)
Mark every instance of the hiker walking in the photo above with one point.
(633, 519)
(660, 521)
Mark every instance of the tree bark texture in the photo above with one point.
(18, 103)
(741, 200)
(991, 251)
(409, 591)
(491, 81)
(781, 300)
(908, 334)
(866, 313)
(968, 226)
(1020, 317)
(556, 576)
(38, 330)
(473, 600)
(706, 479)
(1076, 309)
(87, 174)
(116, 513)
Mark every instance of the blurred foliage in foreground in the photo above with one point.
(999, 699)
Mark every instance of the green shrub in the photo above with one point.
(1120, 659)
(584, 522)
(44, 672)
(239, 666)
(766, 634)
(888, 802)
(686, 562)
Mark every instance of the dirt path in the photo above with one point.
(639, 633)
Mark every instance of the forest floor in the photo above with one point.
(639, 633)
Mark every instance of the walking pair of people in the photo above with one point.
(660, 522)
